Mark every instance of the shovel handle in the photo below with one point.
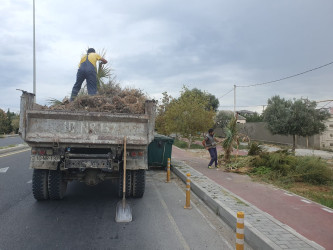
(124, 166)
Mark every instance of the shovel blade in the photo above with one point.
(123, 212)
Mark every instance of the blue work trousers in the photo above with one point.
(86, 72)
(213, 156)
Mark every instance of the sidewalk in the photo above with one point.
(307, 218)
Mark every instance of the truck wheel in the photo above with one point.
(139, 182)
(40, 184)
(57, 186)
(128, 183)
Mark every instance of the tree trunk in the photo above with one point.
(307, 141)
(190, 141)
(294, 143)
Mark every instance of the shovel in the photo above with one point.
(124, 211)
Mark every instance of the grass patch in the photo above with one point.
(180, 144)
(307, 176)
(9, 146)
(2, 136)
(196, 146)
(184, 144)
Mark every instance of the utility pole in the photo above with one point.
(34, 53)
(235, 100)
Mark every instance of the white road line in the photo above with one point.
(288, 194)
(29, 181)
(306, 201)
(3, 170)
(327, 210)
(172, 220)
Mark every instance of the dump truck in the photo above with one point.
(85, 146)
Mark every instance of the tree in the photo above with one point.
(188, 115)
(160, 123)
(212, 101)
(222, 118)
(255, 117)
(4, 123)
(294, 117)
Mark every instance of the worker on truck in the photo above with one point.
(87, 71)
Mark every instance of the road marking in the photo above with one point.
(288, 194)
(229, 179)
(327, 210)
(172, 220)
(16, 152)
(306, 201)
(196, 208)
(3, 170)
(29, 182)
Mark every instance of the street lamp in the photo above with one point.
(34, 53)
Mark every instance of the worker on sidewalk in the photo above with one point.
(87, 71)
(210, 144)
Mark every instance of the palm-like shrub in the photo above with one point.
(231, 138)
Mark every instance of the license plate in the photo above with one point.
(45, 157)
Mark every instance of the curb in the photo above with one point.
(13, 149)
(255, 238)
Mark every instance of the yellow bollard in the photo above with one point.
(168, 170)
(188, 192)
(240, 231)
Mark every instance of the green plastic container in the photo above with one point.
(159, 150)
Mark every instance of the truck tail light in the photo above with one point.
(42, 152)
(133, 154)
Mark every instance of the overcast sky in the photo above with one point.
(161, 45)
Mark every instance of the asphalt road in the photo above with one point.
(4, 142)
(85, 219)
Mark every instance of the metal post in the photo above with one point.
(235, 100)
(240, 231)
(168, 170)
(188, 192)
(34, 53)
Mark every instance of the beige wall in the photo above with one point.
(326, 139)
(257, 131)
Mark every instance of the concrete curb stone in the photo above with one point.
(262, 231)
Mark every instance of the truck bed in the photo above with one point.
(86, 129)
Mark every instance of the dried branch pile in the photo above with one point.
(111, 98)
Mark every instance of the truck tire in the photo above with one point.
(128, 183)
(139, 182)
(40, 184)
(57, 186)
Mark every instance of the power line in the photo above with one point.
(326, 104)
(229, 106)
(226, 93)
(284, 78)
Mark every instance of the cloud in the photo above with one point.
(162, 45)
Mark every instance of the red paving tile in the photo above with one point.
(308, 219)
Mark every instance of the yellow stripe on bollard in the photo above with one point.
(168, 170)
(188, 192)
(240, 231)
